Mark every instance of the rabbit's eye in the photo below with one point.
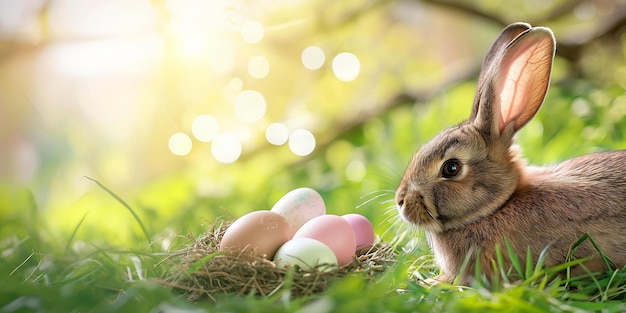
(451, 168)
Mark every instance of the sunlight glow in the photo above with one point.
(226, 148)
(199, 34)
(252, 32)
(277, 134)
(116, 56)
(221, 54)
(250, 106)
(258, 67)
(77, 19)
(180, 144)
(204, 127)
(212, 48)
(301, 142)
(313, 58)
(346, 66)
(192, 46)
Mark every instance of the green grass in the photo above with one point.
(123, 281)
(51, 277)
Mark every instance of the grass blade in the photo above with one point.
(21, 264)
(609, 264)
(463, 268)
(529, 263)
(69, 241)
(496, 285)
(500, 264)
(513, 256)
(478, 270)
(128, 207)
(542, 258)
(195, 266)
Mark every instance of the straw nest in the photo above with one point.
(204, 272)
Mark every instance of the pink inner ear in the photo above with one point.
(523, 81)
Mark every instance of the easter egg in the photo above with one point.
(335, 232)
(363, 230)
(260, 232)
(298, 206)
(306, 253)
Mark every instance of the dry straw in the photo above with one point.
(204, 272)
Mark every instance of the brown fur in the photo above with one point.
(495, 195)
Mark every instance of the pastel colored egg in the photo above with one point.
(335, 232)
(298, 206)
(363, 230)
(260, 232)
(306, 253)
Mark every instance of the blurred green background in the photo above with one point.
(192, 110)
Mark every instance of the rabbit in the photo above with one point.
(469, 187)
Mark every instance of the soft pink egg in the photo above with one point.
(363, 230)
(261, 232)
(335, 232)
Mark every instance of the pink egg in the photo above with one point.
(363, 230)
(335, 232)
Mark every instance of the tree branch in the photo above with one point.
(467, 8)
(569, 48)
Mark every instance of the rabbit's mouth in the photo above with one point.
(413, 209)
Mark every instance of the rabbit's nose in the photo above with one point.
(400, 198)
(400, 203)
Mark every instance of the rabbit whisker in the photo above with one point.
(377, 196)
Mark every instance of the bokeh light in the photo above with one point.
(226, 148)
(180, 144)
(346, 66)
(252, 32)
(235, 83)
(301, 142)
(233, 89)
(356, 171)
(313, 58)
(277, 134)
(204, 127)
(250, 106)
(258, 67)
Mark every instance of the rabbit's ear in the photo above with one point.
(517, 82)
(499, 44)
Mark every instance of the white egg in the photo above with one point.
(306, 253)
(299, 206)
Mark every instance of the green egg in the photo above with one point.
(306, 253)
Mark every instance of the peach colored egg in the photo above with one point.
(261, 232)
(363, 230)
(335, 232)
(298, 206)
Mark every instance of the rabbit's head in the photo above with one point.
(469, 170)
